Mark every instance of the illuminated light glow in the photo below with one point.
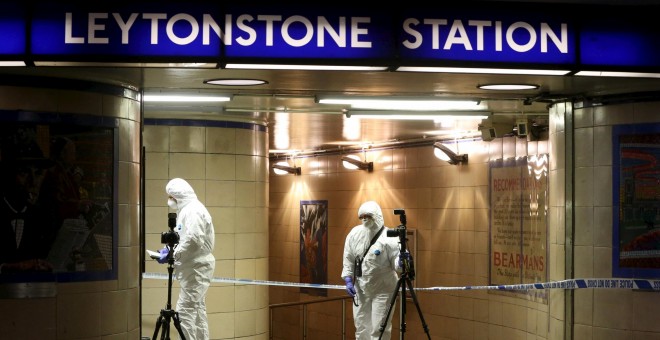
(349, 165)
(430, 105)
(114, 64)
(280, 171)
(235, 82)
(351, 128)
(281, 131)
(185, 98)
(482, 70)
(436, 118)
(508, 87)
(617, 74)
(440, 155)
(11, 63)
(305, 67)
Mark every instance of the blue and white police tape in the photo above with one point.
(605, 283)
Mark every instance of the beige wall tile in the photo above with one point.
(221, 140)
(603, 226)
(156, 138)
(189, 166)
(584, 147)
(220, 167)
(584, 217)
(613, 308)
(602, 145)
(245, 194)
(583, 118)
(158, 165)
(187, 139)
(583, 258)
(245, 168)
(245, 323)
(245, 142)
(584, 186)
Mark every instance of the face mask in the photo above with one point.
(171, 202)
(369, 223)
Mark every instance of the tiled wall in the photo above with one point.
(610, 313)
(228, 168)
(446, 204)
(93, 309)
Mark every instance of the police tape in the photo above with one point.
(606, 283)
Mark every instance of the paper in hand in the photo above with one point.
(153, 254)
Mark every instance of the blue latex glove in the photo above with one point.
(163, 255)
(349, 286)
(404, 258)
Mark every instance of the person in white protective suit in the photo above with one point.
(194, 262)
(373, 288)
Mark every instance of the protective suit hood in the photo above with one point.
(181, 191)
(372, 208)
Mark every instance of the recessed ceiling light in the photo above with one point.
(508, 87)
(235, 82)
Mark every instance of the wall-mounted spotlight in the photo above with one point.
(444, 153)
(283, 168)
(353, 163)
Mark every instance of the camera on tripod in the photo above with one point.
(402, 234)
(399, 231)
(170, 237)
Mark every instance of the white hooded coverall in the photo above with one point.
(375, 288)
(194, 261)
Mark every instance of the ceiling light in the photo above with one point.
(187, 98)
(446, 154)
(482, 70)
(352, 162)
(11, 63)
(508, 87)
(283, 168)
(618, 74)
(305, 67)
(417, 115)
(235, 82)
(402, 103)
(115, 64)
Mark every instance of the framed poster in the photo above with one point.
(518, 221)
(314, 245)
(636, 201)
(58, 203)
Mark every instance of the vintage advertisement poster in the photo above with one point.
(518, 242)
(636, 206)
(314, 245)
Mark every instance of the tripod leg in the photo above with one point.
(158, 323)
(166, 330)
(419, 311)
(177, 325)
(389, 309)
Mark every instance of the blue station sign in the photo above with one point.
(12, 26)
(185, 30)
(487, 36)
(511, 36)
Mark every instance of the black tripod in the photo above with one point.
(171, 238)
(407, 274)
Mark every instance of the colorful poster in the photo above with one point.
(314, 245)
(636, 177)
(518, 242)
